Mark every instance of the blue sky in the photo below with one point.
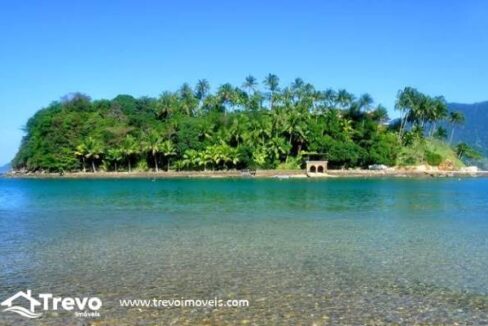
(105, 48)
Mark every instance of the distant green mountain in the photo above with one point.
(474, 131)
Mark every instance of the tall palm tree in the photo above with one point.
(250, 84)
(152, 143)
(237, 129)
(271, 81)
(81, 151)
(227, 95)
(90, 149)
(329, 98)
(297, 88)
(295, 127)
(205, 158)
(167, 104)
(234, 156)
(365, 101)
(463, 150)
(188, 99)
(455, 118)
(115, 155)
(407, 103)
(436, 111)
(129, 148)
(191, 159)
(276, 147)
(297, 84)
(168, 149)
(201, 89)
(380, 114)
(343, 99)
(260, 156)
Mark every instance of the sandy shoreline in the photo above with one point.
(281, 174)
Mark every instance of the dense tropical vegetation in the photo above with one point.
(232, 128)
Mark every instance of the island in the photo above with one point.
(271, 129)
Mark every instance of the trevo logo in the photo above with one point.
(48, 302)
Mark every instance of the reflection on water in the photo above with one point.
(301, 251)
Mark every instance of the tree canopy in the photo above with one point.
(272, 126)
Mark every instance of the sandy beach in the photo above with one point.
(280, 174)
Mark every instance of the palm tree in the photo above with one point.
(205, 158)
(295, 127)
(343, 99)
(365, 101)
(347, 129)
(90, 149)
(152, 143)
(237, 129)
(201, 91)
(167, 104)
(440, 133)
(276, 147)
(317, 98)
(407, 102)
(455, 118)
(271, 81)
(188, 99)
(202, 88)
(250, 84)
(380, 114)
(297, 84)
(115, 155)
(329, 96)
(226, 94)
(234, 156)
(168, 149)
(297, 88)
(191, 159)
(81, 151)
(129, 148)
(463, 150)
(260, 156)
(437, 111)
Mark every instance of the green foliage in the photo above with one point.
(433, 158)
(293, 163)
(441, 133)
(427, 151)
(418, 110)
(384, 150)
(142, 166)
(233, 128)
(464, 151)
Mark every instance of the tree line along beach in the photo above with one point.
(195, 132)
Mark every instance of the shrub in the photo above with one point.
(142, 166)
(432, 158)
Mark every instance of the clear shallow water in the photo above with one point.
(301, 251)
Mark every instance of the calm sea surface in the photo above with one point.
(350, 252)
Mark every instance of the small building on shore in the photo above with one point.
(316, 164)
(316, 167)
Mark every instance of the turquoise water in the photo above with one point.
(348, 252)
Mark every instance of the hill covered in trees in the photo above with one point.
(234, 127)
(473, 131)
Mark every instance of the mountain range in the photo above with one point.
(474, 131)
